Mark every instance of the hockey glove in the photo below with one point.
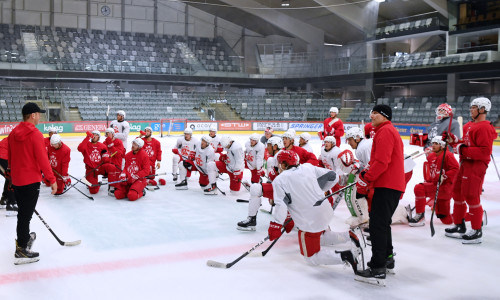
(89, 134)
(191, 155)
(237, 173)
(321, 136)
(105, 158)
(133, 178)
(274, 230)
(175, 151)
(361, 187)
(450, 138)
(223, 157)
(289, 226)
(261, 173)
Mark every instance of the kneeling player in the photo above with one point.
(254, 157)
(153, 149)
(296, 190)
(134, 174)
(94, 155)
(232, 162)
(185, 146)
(112, 166)
(59, 157)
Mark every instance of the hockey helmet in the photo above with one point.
(96, 132)
(438, 140)
(289, 157)
(276, 141)
(354, 132)
(254, 137)
(334, 109)
(55, 139)
(188, 131)
(111, 130)
(482, 102)
(121, 113)
(443, 111)
(306, 136)
(139, 142)
(289, 134)
(206, 138)
(225, 141)
(148, 128)
(330, 139)
(213, 127)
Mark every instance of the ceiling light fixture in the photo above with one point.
(379, 1)
(334, 45)
(285, 3)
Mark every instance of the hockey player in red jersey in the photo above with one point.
(369, 131)
(296, 190)
(475, 150)
(59, 157)
(152, 147)
(52, 131)
(304, 155)
(134, 173)
(116, 152)
(332, 126)
(94, 156)
(427, 189)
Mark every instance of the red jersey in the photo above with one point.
(432, 167)
(137, 164)
(115, 148)
(91, 152)
(386, 166)
(152, 149)
(333, 127)
(4, 149)
(47, 143)
(305, 156)
(59, 159)
(478, 137)
(27, 156)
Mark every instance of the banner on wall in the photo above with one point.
(279, 126)
(136, 127)
(84, 127)
(200, 126)
(406, 130)
(235, 126)
(176, 126)
(59, 127)
(306, 126)
(6, 129)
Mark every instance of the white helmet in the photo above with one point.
(288, 134)
(330, 139)
(276, 141)
(291, 130)
(52, 129)
(213, 127)
(482, 102)
(96, 132)
(188, 131)
(254, 137)
(306, 136)
(334, 109)
(225, 140)
(121, 113)
(206, 138)
(354, 132)
(439, 140)
(148, 128)
(110, 130)
(139, 142)
(55, 139)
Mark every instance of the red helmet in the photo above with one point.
(443, 111)
(289, 157)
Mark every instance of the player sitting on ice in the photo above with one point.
(184, 147)
(254, 157)
(152, 147)
(304, 155)
(232, 163)
(296, 190)
(94, 156)
(215, 141)
(257, 190)
(134, 173)
(427, 189)
(113, 166)
(59, 157)
(304, 141)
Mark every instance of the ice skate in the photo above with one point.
(409, 212)
(390, 263)
(182, 185)
(349, 257)
(11, 210)
(457, 231)
(417, 221)
(174, 176)
(212, 190)
(104, 179)
(473, 237)
(25, 255)
(111, 191)
(31, 241)
(248, 224)
(3, 202)
(374, 276)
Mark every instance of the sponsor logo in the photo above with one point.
(200, 126)
(79, 127)
(235, 126)
(275, 125)
(7, 129)
(135, 127)
(176, 126)
(47, 127)
(306, 126)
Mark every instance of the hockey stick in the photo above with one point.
(242, 200)
(216, 264)
(439, 180)
(83, 180)
(118, 181)
(58, 240)
(57, 173)
(495, 164)
(107, 118)
(411, 155)
(318, 203)
(99, 165)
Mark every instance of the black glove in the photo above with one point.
(187, 165)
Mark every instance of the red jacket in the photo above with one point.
(152, 149)
(92, 153)
(4, 149)
(478, 137)
(305, 156)
(386, 166)
(137, 164)
(27, 156)
(59, 159)
(336, 129)
(117, 149)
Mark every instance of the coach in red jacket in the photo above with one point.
(387, 176)
(27, 161)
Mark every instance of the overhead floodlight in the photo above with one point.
(334, 45)
(379, 1)
(285, 3)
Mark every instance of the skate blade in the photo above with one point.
(371, 280)
(390, 271)
(265, 210)
(152, 188)
(181, 188)
(419, 224)
(210, 193)
(11, 214)
(250, 228)
(454, 235)
(472, 242)
(23, 261)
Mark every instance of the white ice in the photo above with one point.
(158, 246)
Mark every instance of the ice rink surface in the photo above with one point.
(158, 246)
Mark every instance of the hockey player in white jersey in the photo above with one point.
(304, 141)
(329, 157)
(184, 149)
(232, 162)
(296, 190)
(215, 140)
(254, 157)
(121, 127)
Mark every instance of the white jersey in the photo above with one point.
(235, 157)
(364, 151)
(123, 130)
(297, 189)
(215, 142)
(330, 159)
(308, 147)
(185, 147)
(254, 156)
(203, 157)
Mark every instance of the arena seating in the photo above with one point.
(11, 44)
(407, 26)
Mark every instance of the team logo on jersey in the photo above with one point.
(133, 168)
(149, 150)
(53, 161)
(467, 137)
(185, 151)
(95, 156)
(198, 160)
(249, 157)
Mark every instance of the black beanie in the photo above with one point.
(384, 110)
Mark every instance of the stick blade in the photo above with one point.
(318, 203)
(85, 181)
(71, 244)
(216, 264)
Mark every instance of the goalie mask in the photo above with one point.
(443, 111)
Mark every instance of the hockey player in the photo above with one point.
(215, 141)
(185, 147)
(59, 158)
(8, 199)
(134, 173)
(121, 127)
(427, 188)
(116, 151)
(369, 131)
(296, 190)
(254, 157)
(52, 131)
(332, 126)
(304, 141)
(475, 151)
(152, 147)
(232, 163)
(268, 133)
(305, 156)
(94, 156)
